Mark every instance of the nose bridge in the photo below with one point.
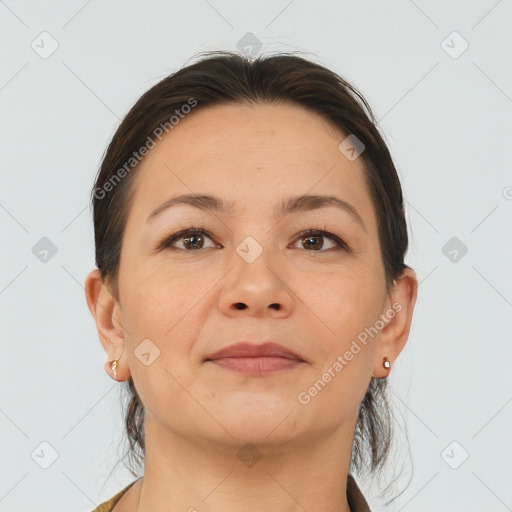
(254, 283)
(253, 260)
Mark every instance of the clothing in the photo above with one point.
(108, 505)
(356, 500)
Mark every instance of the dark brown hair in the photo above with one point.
(220, 78)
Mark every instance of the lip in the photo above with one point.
(246, 350)
(248, 358)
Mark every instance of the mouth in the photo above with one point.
(250, 359)
(256, 365)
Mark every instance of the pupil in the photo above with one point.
(318, 245)
(193, 237)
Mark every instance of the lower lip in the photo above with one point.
(257, 365)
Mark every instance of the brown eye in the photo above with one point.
(190, 239)
(312, 240)
(194, 241)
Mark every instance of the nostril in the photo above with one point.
(241, 305)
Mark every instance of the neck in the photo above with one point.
(303, 474)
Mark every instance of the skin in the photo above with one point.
(198, 415)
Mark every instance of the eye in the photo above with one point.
(312, 239)
(194, 239)
(191, 239)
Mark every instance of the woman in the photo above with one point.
(251, 287)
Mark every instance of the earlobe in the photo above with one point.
(104, 308)
(395, 333)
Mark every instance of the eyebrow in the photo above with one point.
(210, 203)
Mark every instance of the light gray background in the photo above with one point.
(447, 120)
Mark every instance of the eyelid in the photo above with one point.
(327, 234)
(171, 237)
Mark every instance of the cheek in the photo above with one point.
(342, 302)
(350, 305)
(159, 335)
(165, 304)
(345, 305)
(154, 308)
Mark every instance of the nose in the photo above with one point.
(256, 288)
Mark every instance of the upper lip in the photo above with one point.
(246, 349)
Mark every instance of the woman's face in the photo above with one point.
(251, 277)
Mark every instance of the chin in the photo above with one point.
(260, 423)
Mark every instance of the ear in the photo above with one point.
(106, 310)
(399, 309)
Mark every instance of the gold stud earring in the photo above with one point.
(386, 363)
(114, 367)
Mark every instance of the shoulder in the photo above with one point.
(108, 505)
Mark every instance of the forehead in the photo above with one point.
(251, 155)
(277, 130)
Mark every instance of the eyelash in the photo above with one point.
(169, 239)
